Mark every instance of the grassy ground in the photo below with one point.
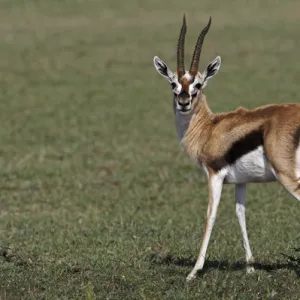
(97, 201)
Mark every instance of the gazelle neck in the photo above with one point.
(201, 113)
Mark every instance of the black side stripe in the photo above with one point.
(241, 147)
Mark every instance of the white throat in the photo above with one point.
(182, 123)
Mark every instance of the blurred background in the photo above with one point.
(97, 200)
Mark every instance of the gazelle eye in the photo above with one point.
(198, 86)
(173, 84)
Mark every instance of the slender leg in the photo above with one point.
(215, 189)
(240, 197)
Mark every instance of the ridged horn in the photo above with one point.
(197, 51)
(180, 49)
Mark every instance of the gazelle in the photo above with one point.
(239, 147)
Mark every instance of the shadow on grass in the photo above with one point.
(293, 264)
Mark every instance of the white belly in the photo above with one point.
(252, 167)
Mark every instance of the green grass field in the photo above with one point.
(97, 200)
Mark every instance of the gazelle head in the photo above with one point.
(187, 85)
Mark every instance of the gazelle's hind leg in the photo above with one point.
(284, 160)
(240, 196)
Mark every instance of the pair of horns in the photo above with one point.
(196, 56)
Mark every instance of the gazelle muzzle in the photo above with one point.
(183, 105)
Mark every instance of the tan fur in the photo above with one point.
(210, 136)
(185, 84)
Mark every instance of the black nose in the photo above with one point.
(183, 104)
(183, 95)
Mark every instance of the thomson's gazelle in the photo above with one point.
(258, 145)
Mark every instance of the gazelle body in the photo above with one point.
(239, 147)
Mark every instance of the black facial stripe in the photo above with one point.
(173, 84)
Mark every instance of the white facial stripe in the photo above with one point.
(177, 90)
(178, 86)
(192, 88)
(188, 76)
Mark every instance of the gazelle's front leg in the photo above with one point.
(240, 197)
(215, 183)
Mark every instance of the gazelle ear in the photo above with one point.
(211, 70)
(162, 69)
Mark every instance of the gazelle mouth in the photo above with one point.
(184, 108)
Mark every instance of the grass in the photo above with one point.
(97, 200)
